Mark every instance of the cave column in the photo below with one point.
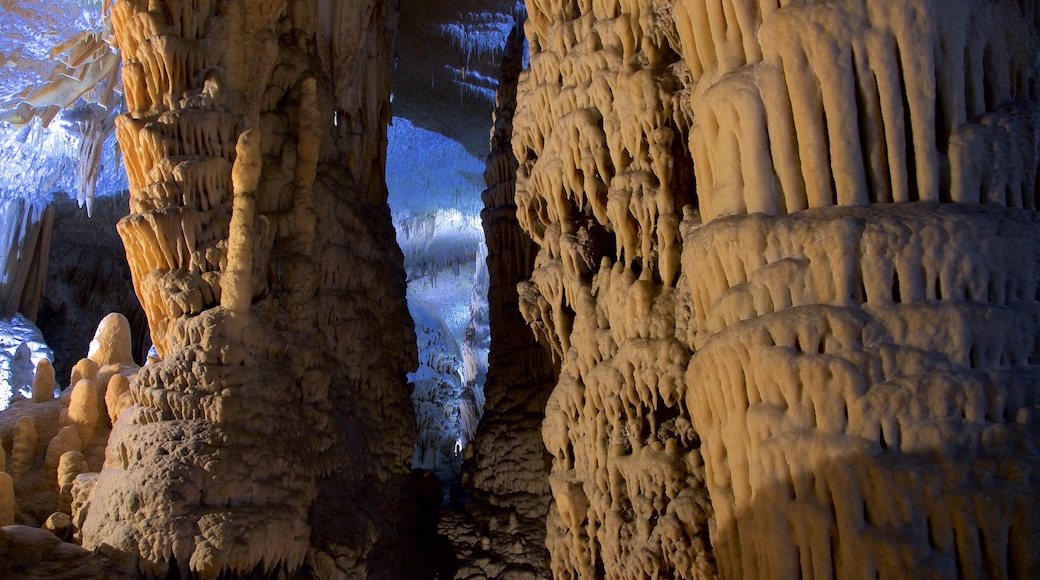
(261, 247)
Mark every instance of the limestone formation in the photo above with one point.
(262, 251)
(59, 524)
(43, 382)
(117, 397)
(67, 440)
(25, 230)
(28, 552)
(23, 450)
(774, 328)
(780, 263)
(82, 413)
(7, 500)
(70, 466)
(112, 341)
(82, 490)
(84, 369)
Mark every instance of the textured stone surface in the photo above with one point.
(728, 379)
(261, 247)
(28, 552)
(780, 261)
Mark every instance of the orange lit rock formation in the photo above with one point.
(775, 330)
(275, 431)
(779, 262)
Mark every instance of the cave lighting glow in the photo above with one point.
(434, 194)
(39, 146)
(16, 368)
(39, 152)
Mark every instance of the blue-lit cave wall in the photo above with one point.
(59, 94)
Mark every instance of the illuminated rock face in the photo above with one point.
(276, 430)
(787, 262)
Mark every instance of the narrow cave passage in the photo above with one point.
(445, 78)
(434, 186)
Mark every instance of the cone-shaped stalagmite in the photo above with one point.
(71, 465)
(43, 382)
(66, 440)
(83, 410)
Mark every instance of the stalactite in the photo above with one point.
(724, 374)
(239, 192)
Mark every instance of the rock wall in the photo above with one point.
(275, 432)
(25, 238)
(448, 56)
(783, 352)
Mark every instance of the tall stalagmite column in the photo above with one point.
(788, 258)
(276, 430)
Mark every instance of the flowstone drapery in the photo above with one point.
(776, 265)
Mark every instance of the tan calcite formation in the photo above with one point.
(82, 413)
(883, 420)
(66, 440)
(70, 466)
(859, 367)
(41, 430)
(117, 397)
(275, 431)
(600, 187)
(83, 369)
(112, 341)
(23, 448)
(43, 382)
(8, 506)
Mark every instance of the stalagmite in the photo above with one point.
(236, 290)
(112, 342)
(43, 382)
(71, 465)
(117, 397)
(84, 369)
(7, 500)
(261, 249)
(59, 524)
(23, 449)
(66, 440)
(83, 412)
